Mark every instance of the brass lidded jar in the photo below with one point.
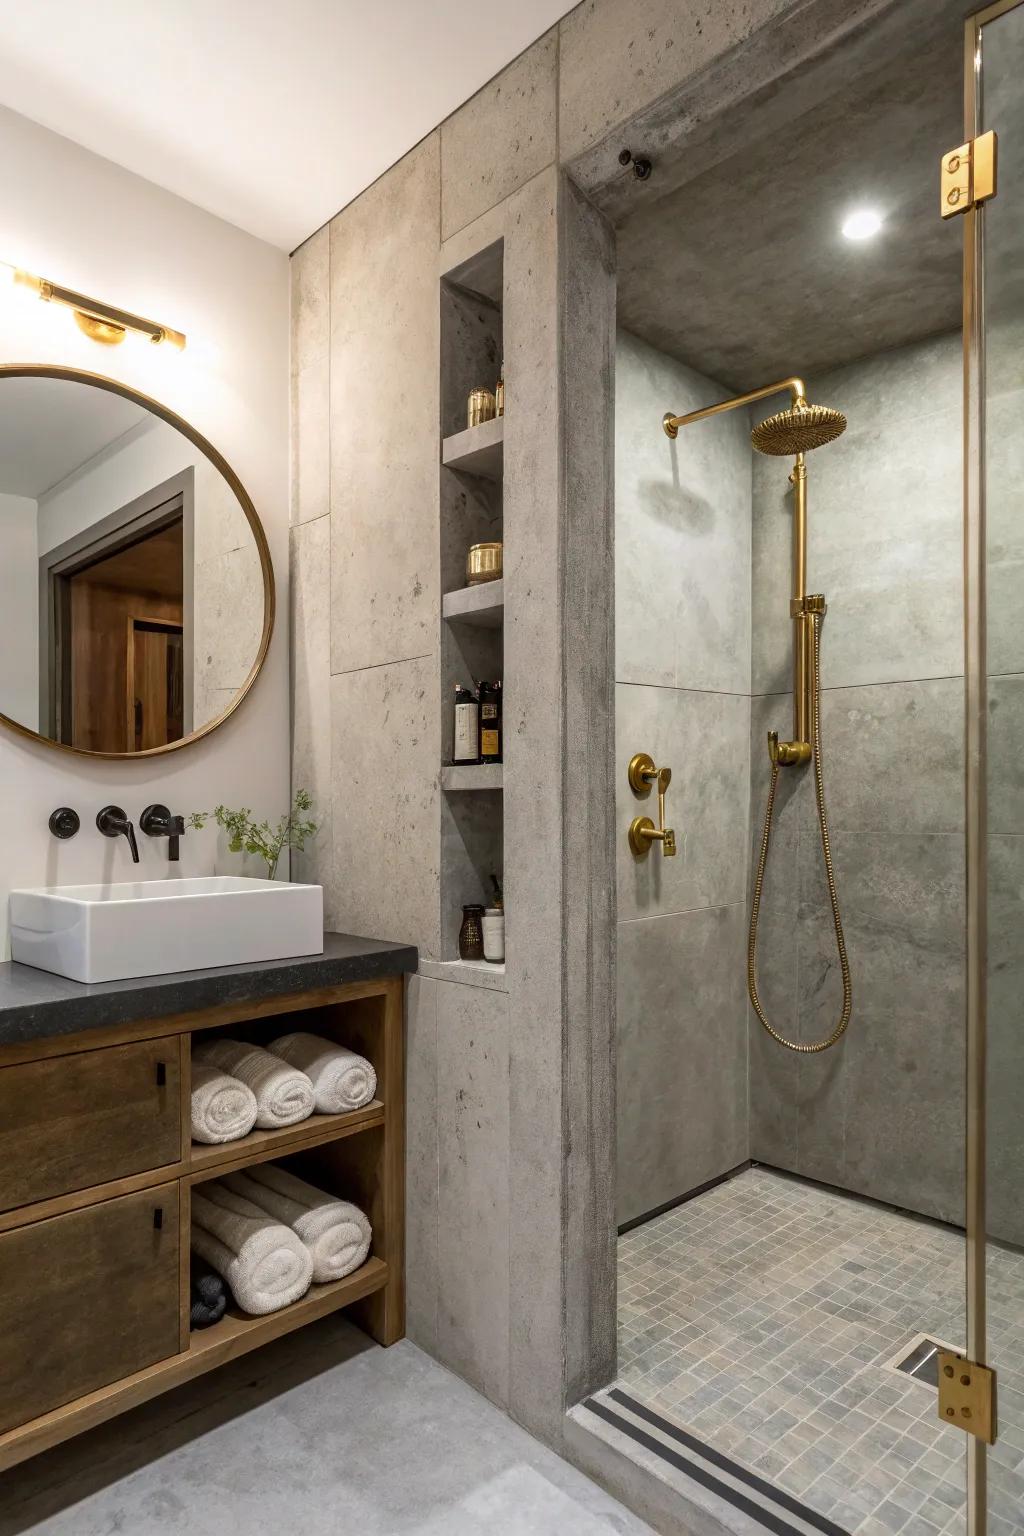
(484, 563)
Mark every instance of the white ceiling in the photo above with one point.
(49, 427)
(271, 114)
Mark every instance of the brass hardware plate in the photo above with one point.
(967, 1396)
(641, 832)
(968, 175)
(642, 773)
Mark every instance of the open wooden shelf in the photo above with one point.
(208, 1348)
(134, 1228)
(462, 776)
(237, 1332)
(482, 605)
(208, 1162)
(478, 450)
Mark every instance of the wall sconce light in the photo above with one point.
(99, 321)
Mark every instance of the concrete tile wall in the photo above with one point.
(501, 138)
(884, 528)
(1005, 638)
(384, 414)
(874, 1113)
(494, 1197)
(486, 1230)
(682, 523)
(617, 59)
(365, 552)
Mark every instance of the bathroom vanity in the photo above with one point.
(97, 1166)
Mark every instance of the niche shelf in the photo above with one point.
(470, 973)
(482, 605)
(466, 776)
(471, 469)
(477, 450)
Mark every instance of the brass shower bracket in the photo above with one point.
(802, 610)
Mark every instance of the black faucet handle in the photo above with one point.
(113, 822)
(157, 821)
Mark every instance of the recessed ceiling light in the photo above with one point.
(862, 224)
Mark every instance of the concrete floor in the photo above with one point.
(321, 1433)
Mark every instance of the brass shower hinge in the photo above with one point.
(967, 1395)
(968, 175)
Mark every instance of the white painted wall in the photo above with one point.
(73, 217)
(19, 610)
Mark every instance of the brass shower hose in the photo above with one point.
(819, 786)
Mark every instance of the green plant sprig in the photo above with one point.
(258, 837)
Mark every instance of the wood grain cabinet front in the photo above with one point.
(71, 1122)
(85, 1299)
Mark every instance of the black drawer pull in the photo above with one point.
(161, 1074)
(158, 1217)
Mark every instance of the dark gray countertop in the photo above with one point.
(36, 1004)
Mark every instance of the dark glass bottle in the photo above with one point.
(466, 727)
(490, 722)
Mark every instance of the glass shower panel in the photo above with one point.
(1002, 109)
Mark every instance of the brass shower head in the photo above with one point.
(798, 429)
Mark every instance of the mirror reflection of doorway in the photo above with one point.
(119, 652)
(116, 608)
(155, 693)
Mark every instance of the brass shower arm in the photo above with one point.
(797, 390)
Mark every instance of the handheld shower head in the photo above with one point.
(798, 430)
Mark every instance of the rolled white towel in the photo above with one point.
(341, 1079)
(264, 1262)
(223, 1109)
(336, 1232)
(284, 1095)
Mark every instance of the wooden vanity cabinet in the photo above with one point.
(88, 1117)
(97, 1167)
(86, 1298)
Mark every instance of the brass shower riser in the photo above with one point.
(796, 431)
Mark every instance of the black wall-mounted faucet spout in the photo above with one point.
(157, 821)
(113, 822)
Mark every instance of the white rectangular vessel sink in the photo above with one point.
(152, 927)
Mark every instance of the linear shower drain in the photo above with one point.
(920, 1359)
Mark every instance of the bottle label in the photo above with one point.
(488, 743)
(488, 711)
(466, 718)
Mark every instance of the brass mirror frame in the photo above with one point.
(113, 387)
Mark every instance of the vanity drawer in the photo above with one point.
(85, 1299)
(73, 1121)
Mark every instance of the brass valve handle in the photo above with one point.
(642, 831)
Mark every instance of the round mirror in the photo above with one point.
(136, 591)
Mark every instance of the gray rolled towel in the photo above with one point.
(209, 1295)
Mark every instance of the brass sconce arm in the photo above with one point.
(102, 322)
(642, 831)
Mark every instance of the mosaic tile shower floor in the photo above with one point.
(762, 1316)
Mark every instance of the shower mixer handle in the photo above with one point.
(642, 832)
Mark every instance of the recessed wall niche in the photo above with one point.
(471, 470)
